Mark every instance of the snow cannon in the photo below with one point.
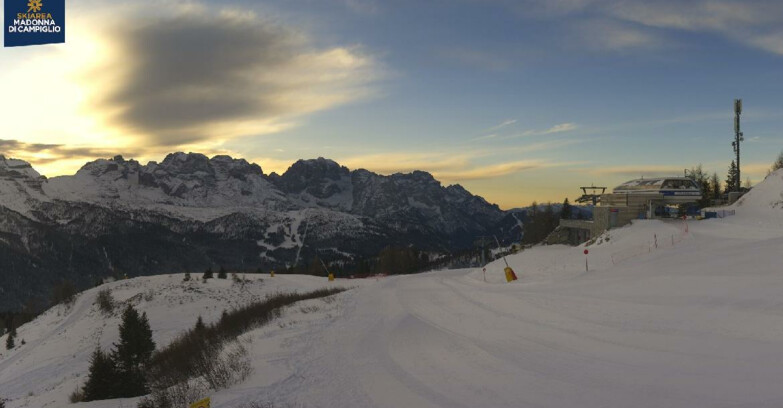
(331, 277)
(510, 275)
(271, 274)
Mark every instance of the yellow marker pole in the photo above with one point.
(272, 274)
(331, 276)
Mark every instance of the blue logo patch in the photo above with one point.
(32, 22)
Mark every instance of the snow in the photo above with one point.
(696, 321)
(19, 185)
(55, 358)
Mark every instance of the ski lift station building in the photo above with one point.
(644, 198)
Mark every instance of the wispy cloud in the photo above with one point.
(559, 128)
(627, 25)
(503, 124)
(562, 127)
(491, 171)
(444, 167)
(609, 35)
(545, 145)
(755, 23)
(404, 162)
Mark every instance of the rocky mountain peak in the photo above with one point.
(316, 168)
(317, 176)
(17, 168)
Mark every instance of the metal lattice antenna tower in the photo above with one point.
(738, 137)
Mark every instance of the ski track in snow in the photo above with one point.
(698, 323)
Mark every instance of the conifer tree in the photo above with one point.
(566, 212)
(199, 327)
(715, 190)
(9, 341)
(208, 274)
(133, 353)
(222, 273)
(698, 175)
(102, 379)
(732, 183)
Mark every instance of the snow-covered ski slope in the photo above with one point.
(696, 323)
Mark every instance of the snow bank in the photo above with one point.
(55, 359)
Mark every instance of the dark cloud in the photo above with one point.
(184, 75)
(8, 144)
(54, 152)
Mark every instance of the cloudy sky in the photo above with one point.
(517, 100)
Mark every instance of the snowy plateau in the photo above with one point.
(117, 217)
(667, 315)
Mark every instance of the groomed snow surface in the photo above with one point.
(695, 322)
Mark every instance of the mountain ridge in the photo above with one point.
(117, 216)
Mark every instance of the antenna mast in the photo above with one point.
(738, 137)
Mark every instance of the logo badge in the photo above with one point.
(34, 22)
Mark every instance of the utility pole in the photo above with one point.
(738, 137)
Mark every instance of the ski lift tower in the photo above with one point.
(738, 137)
(592, 196)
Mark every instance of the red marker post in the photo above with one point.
(586, 252)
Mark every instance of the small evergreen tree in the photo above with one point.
(199, 327)
(732, 182)
(550, 220)
(698, 175)
(132, 353)
(187, 277)
(102, 379)
(222, 273)
(566, 212)
(715, 190)
(207, 274)
(9, 341)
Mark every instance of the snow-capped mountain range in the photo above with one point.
(190, 212)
